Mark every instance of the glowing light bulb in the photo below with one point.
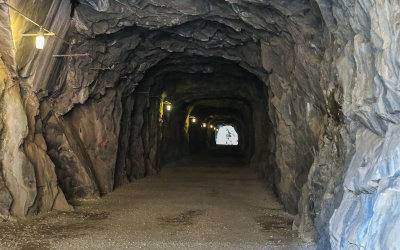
(204, 125)
(211, 126)
(194, 120)
(40, 42)
(169, 107)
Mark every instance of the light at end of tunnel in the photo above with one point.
(227, 135)
(40, 42)
(168, 107)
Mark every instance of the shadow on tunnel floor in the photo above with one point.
(217, 158)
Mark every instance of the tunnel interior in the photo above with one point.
(123, 88)
(212, 91)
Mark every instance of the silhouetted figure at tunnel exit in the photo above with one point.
(227, 135)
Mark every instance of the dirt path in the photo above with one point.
(189, 205)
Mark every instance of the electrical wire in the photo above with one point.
(57, 36)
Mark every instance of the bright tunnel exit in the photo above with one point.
(227, 135)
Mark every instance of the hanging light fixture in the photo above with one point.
(193, 119)
(40, 40)
(39, 37)
(168, 105)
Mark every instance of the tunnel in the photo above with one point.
(215, 91)
(199, 124)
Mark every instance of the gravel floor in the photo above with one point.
(196, 203)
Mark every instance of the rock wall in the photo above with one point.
(27, 171)
(8, 188)
(84, 144)
(297, 104)
(28, 180)
(353, 179)
(363, 56)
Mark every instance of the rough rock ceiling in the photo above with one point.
(133, 36)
